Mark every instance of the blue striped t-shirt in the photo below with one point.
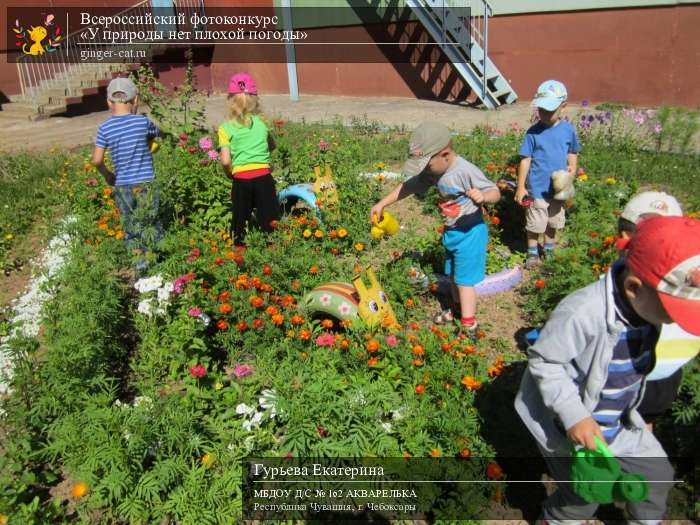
(631, 361)
(126, 137)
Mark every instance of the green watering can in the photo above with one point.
(598, 478)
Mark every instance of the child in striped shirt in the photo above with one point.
(587, 371)
(127, 135)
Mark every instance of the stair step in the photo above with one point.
(501, 93)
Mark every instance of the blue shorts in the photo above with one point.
(465, 257)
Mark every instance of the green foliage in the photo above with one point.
(181, 110)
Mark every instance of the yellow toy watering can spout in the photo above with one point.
(387, 226)
(154, 145)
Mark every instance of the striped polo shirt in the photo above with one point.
(632, 359)
(126, 137)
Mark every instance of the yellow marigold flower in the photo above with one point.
(218, 385)
(359, 246)
(379, 165)
(583, 177)
(208, 460)
(119, 235)
(111, 232)
(9, 236)
(342, 232)
(611, 180)
(307, 233)
(318, 234)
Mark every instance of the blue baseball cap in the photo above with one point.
(550, 95)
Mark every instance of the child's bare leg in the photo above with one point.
(467, 301)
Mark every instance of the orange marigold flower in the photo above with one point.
(465, 453)
(318, 234)
(332, 234)
(297, 320)
(258, 324)
(272, 310)
(372, 345)
(420, 389)
(313, 270)
(446, 347)
(267, 270)
(418, 350)
(222, 324)
(223, 297)
(242, 326)
(373, 361)
(277, 319)
(345, 344)
(304, 335)
(296, 284)
(327, 323)
(417, 363)
(80, 489)
(256, 302)
(225, 308)
(435, 453)
(471, 383)
(409, 303)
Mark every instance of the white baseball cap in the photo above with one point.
(656, 202)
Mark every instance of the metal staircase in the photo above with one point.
(465, 43)
(50, 85)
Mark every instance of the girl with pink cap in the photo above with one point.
(245, 144)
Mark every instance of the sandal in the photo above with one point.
(444, 317)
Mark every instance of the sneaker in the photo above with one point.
(467, 331)
(532, 261)
(444, 317)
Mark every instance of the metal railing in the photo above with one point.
(74, 65)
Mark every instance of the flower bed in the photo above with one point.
(207, 360)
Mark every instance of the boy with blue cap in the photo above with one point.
(549, 146)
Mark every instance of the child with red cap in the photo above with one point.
(245, 144)
(587, 371)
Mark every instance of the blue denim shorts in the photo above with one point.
(465, 257)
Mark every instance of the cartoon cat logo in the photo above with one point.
(31, 40)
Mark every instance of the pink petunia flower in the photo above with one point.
(206, 143)
(323, 145)
(325, 339)
(391, 340)
(194, 312)
(198, 371)
(213, 154)
(242, 370)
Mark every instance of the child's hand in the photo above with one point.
(520, 194)
(583, 432)
(378, 211)
(476, 195)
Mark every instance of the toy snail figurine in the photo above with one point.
(598, 478)
(387, 226)
(347, 301)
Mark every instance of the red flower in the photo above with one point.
(494, 471)
(242, 326)
(222, 324)
(539, 284)
(267, 270)
(495, 221)
(198, 371)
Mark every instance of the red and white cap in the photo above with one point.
(665, 254)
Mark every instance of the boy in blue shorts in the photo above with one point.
(549, 145)
(463, 188)
(127, 136)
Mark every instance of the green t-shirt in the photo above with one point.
(248, 145)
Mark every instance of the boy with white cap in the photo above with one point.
(676, 346)
(127, 136)
(549, 146)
